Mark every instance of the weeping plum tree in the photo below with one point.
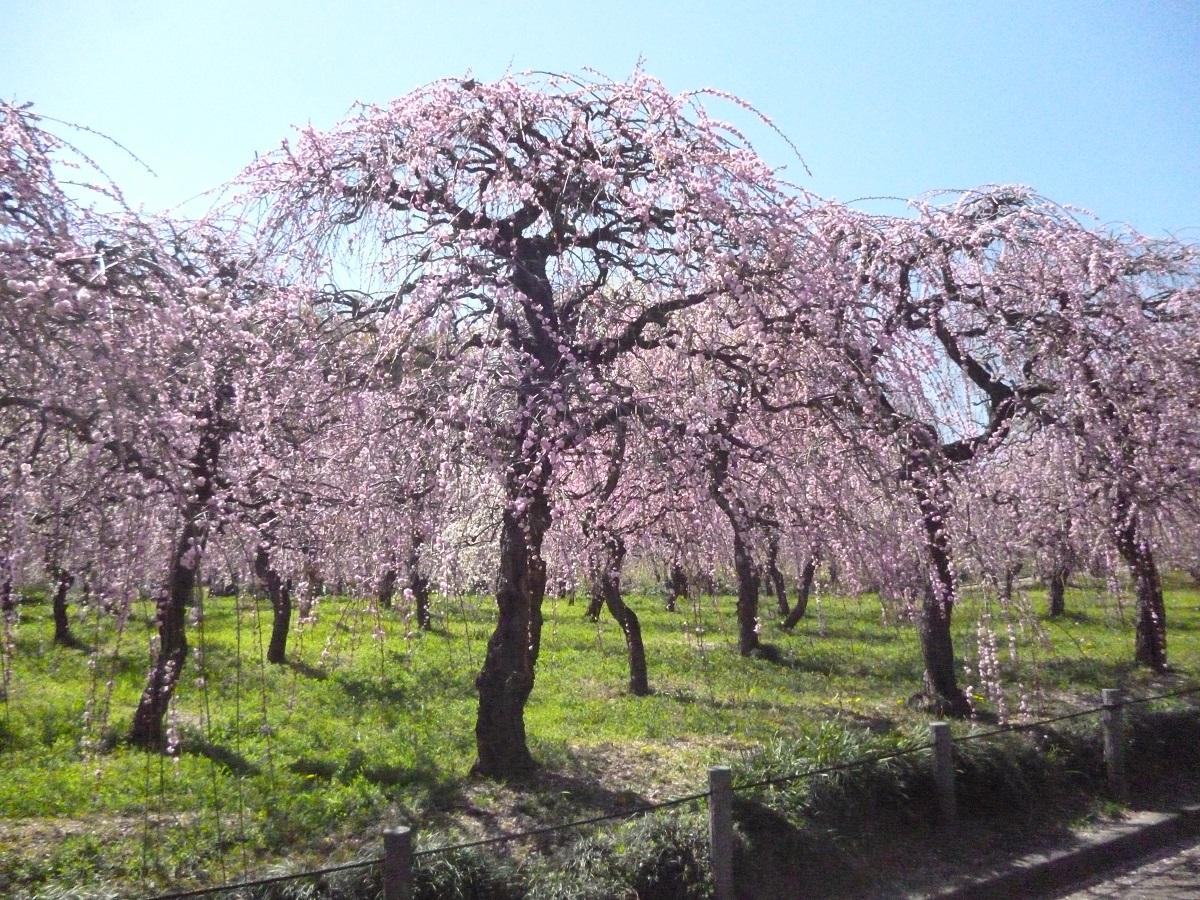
(530, 238)
(940, 329)
(99, 307)
(1124, 333)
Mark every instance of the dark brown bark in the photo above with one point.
(595, 601)
(802, 594)
(506, 679)
(1010, 577)
(1150, 641)
(775, 575)
(677, 586)
(942, 693)
(279, 592)
(418, 584)
(1058, 590)
(743, 562)
(835, 576)
(8, 601)
(747, 597)
(387, 588)
(62, 623)
(147, 730)
(610, 581)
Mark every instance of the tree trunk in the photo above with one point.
(942, 693)
(1058, 590)
(677, 585)
(62, 623)
(1150, 645)
(802, 595)
(595, 601)
(506, 679)
(147, 730)
(747, 601)
(279, 593)
(610, 581)
(775, 575)
(8, 602)
(387, 588)
(418, 583)
(1010, 577)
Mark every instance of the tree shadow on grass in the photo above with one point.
(71, 642)
(567, 787)
(369, 689)
(1095, 673)
(307, 670)
(223, 756)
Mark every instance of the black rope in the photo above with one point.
(1183, 692)
(1029, 726)
(579, 823)
(262, 882)
(838, 767)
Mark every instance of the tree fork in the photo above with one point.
(802, 594)
(1150, 641)
(610, 580)
(775, 575)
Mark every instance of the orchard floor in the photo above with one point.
(370, 722)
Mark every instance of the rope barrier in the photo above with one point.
(678, 801)
(578, 823)
(262, 882)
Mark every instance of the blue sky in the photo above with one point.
(1094, 104)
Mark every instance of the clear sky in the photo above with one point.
(1094, 104)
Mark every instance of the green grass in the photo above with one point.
(304, 762)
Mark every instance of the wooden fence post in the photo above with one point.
(943, 771)
(720, 827)
(397, 863)
(1112, 721)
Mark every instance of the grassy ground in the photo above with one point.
(306, 761)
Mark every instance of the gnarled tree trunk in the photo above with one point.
(507, 677)
(942, 692)
(775, 575)
(595, 601)
(418, 583)
(677, 585)
(387, 588)
(802, 595)
(279, 592)
(62, 623)
(747, 598)
(147, 730)
(609, 578)
(1010, 577)
(1058, 590)
(1150, 643)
